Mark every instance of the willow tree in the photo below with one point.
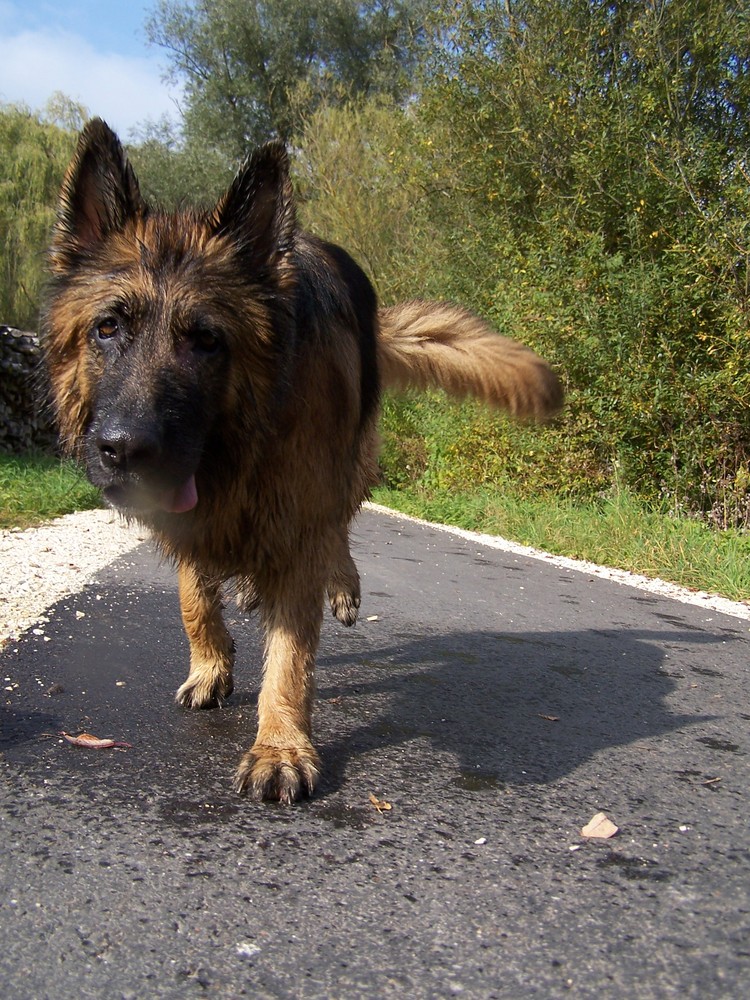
(36, 150)
(252, 70)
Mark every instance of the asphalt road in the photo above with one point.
(495, 701)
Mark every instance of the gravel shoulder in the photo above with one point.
(44, 564)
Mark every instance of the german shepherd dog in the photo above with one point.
(218, 373)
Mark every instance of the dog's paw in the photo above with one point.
(344, 605)
(285, 775)
(204, 690)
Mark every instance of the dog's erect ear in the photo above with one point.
(99, 194)
(257, 212)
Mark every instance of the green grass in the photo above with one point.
(620, 532)
(37, 488)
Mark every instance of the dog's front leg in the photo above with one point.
(211, 646)
(282, 763)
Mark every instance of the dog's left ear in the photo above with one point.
(257, 212)
(99, 194)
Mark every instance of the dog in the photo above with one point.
(218, 373)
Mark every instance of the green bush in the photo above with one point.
(581, 172)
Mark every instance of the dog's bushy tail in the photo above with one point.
(436, 344)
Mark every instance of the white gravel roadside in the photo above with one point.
(39, 566)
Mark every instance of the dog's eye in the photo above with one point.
(206, 341)
(107, 329)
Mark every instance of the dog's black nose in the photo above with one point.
(126, 448)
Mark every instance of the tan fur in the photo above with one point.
(276, 428)
(425, 344)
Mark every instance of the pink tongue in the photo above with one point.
(184, 498)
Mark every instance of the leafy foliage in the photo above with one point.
(173, 170)
(36, 152)
(584, 168)
(253, 70)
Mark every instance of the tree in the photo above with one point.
(173, 168)
(254, 70)
(35, 155)
(586, 166)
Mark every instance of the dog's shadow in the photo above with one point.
(520, 708)
(511, 707)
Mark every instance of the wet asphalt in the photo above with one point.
(495, 702)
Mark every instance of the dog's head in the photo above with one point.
(159, 324)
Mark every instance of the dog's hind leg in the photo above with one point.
(247, 596)
(343, 582)
(282, 763)
(211, 646)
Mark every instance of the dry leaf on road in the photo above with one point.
(380, 804)
(93, 742)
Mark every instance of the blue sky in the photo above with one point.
(93, 52)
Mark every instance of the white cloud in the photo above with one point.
(124, 90)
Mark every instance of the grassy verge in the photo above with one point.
(36, 488)
(619, 532)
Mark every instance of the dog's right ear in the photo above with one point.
(99, 194)
(257, 213)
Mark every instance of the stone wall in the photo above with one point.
(25, 422)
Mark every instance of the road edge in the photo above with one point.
(652, 585)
